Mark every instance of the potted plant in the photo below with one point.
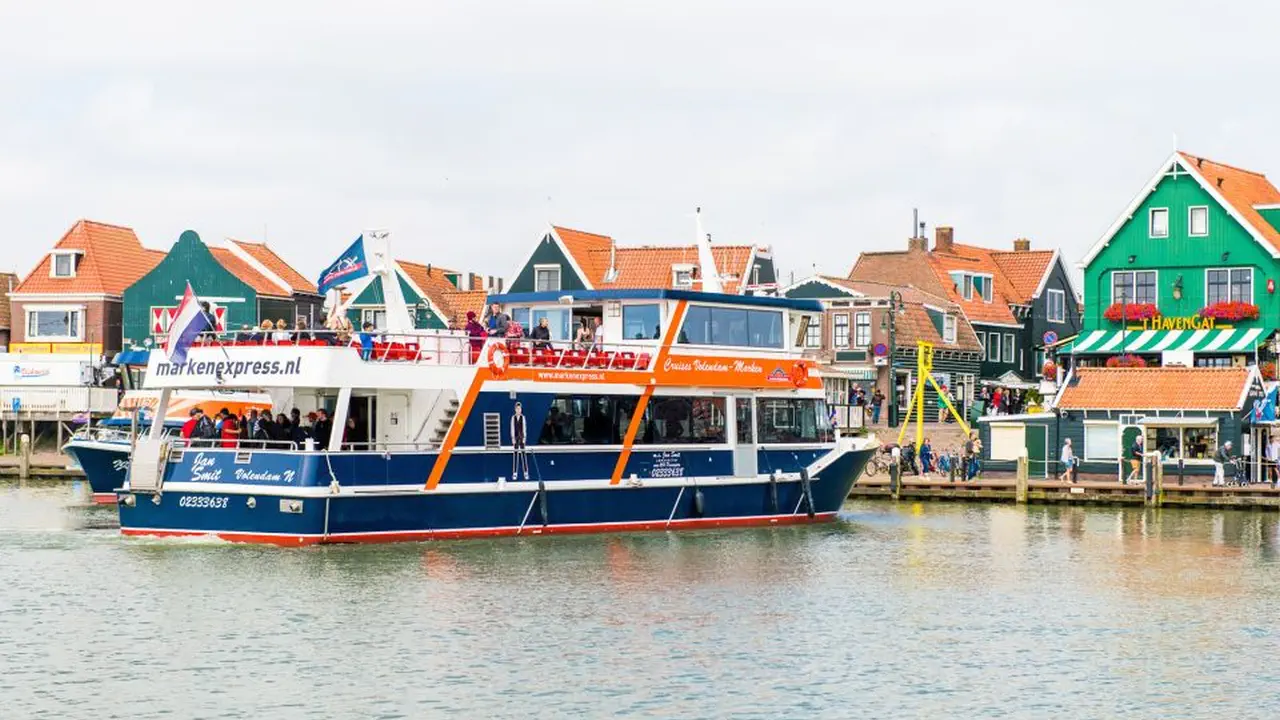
(1126, 361)
(1233, 311)
(1129, 312)
(1267, 370)
(1050, 370)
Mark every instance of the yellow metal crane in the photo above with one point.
(924, 373)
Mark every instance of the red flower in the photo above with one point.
(1268, 370)
(1230, 311)
(1131, 311)
(1049, 371)
(1126, 361)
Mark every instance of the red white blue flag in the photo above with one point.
(189, 320)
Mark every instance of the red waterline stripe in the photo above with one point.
(104, 498)
(421, 535)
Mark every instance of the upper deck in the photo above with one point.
(641, 337)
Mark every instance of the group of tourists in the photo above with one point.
(256, 429)
(498, 324)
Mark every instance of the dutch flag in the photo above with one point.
(188, 322)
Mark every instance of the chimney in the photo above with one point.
(944, 237)
(477, 282)
(1022, 245)
(918, 243)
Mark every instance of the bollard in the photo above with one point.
(24, 456)
(1159, 497)
(1020, 489)
(895, 473)
(951, 468)
(1149, 482)
(1181, 467)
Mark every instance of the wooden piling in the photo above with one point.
(24, 456)
(1022, 479)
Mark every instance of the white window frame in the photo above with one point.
(949, 325)
(813, 333)
(988, 286)
(982, 340)
(548, 267)
(966, 286)
(1228, 271)
(53, 263)
(755, 274)
(370, 315)
(1115, 426)
(677, 271)
(993, 357)
(1048, 310)
(835, 326)
(1134, 273)
(1009, 347)
(857, 322)
(1151, 222)
(1191, 226)
(80, 329)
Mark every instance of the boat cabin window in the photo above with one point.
(741, 327)
(672, 420)
(641, 322)
(587, 419)
(792, 420)
(558, 320)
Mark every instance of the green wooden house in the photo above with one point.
(244, 284)
(438, 298)
(1191, 266)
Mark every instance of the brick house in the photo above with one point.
(8, 281)
(72, 302)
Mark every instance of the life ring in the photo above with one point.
(799, 374)
(498, 367)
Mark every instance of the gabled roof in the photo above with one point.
(247, 273)
(1026, 271)
(914, 324)
(1235, 189)
(648, 266)
(1163, 388)
(459, 302)
(111, 259)
(293, 280)
(929, 270)
(438, 289)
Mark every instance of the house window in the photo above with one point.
(993, 347)
(1007, 440)
(1057, 306)
(1198, 221)
(1038, 359)
(1189, 443)
(1101, 441)
(1008, 347)
(982, 340)
(949, 328)
(862, 329)
(374, 316)
(54, 323)
(1159, 222)
(1224, 284)
(755, 275)
(840, 330)
(967, 285)
(982, 285)
(1133, 286)
(64, 265)
(813, 334)
(682, 276)
(546, 278)
(1219, 361)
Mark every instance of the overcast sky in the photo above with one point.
(465, 127)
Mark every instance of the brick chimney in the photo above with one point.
(944, 238)
(917, 243)
(1022, 245)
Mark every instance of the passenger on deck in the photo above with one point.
(340, 324)
(297, 433)
(476, 332)
(498, 321)
(597, 333)
(541, 335)
(366, 341)
(189, 427)
(582, 340)
(323, 428)
(281, 334)
(228, 428)
(266, 330)
(300, 331)
(282, 429)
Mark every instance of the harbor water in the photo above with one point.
(897, 610)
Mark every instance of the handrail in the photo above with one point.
(237, 444)
(375, 445)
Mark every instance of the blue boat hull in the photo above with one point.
(105, 465)
(308, 515)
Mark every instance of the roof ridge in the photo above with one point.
(580, 232)
(1225, 165)
(104, 224)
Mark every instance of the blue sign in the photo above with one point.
(880, 350)
(1050, 337)
(350, 266)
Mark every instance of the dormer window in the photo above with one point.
(682, 276)
(949, 328)
(971, 285)
(62, 265)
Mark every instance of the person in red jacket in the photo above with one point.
(229, 429)
(189, 426)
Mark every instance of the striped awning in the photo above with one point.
(1115, 342)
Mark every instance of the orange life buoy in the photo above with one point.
(498, 369)
(799, 374)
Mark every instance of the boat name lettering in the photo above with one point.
(666, 465)
(201, 469)
(244, 475)
(230, 368)
(213, 502)
(120, 465)
(701, 365)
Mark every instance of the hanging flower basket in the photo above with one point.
(1049, 371)
(1130, 312)
(1123, 361)
(1230, 311)
(1267, 370)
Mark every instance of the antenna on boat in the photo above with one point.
(707, 261)
(381, 264)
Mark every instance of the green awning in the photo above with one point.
(1116, 342)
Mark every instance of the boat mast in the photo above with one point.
(382, 265)
(707, 261)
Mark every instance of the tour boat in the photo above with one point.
(102, 450)
(701, 414)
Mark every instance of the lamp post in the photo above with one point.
(895, 307)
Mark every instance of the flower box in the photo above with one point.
(1230, 311)
(1122, 361)
(1049, 371)
(1130, 312)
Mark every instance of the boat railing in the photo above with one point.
(228, 444)
(551, 354)
(376, 446)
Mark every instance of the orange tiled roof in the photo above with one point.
(648, 266)
(438, 289)
(459, 302)
(113, 259)
(1241, 188)
(260, 283)
(8, 281)
(1024, 271)
(1164, 388)
(273, 262)
(929, 272)
(914, 324)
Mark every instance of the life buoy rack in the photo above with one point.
(498, 359)
(799, 374)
